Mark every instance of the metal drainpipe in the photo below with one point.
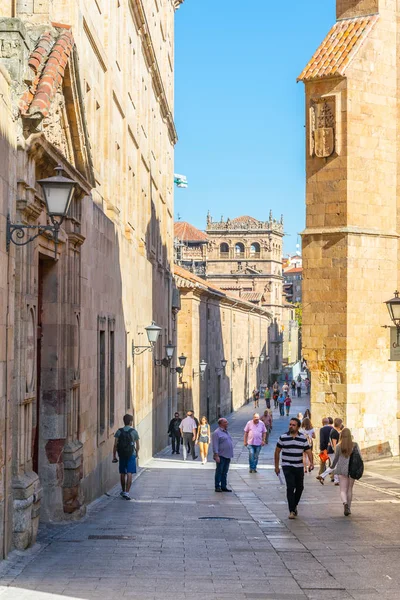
(248, 353)
(206, 375)
(6, 418)
(231, 386)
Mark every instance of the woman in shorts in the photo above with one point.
(203, 438)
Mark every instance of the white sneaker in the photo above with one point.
(205, 460)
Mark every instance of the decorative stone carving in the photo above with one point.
(30, 351)
(322, 127)
(10, 48)
(55, 125)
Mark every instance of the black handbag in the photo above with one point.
(356, 464)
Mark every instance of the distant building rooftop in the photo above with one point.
(188, 233)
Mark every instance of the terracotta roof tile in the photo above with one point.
(182, 273)
(244, 220)
(48, 61)
(293, 270)
(338, 48)
(187, 233)
(251, 296)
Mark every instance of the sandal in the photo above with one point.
(320, 479)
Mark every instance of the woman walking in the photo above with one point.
(203, 438)
(309, 432)
(344, 450)
(293, 386)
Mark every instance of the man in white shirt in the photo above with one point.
(188, 432)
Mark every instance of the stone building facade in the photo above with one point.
(351, 241)
(214, 325)
(292, 284)
(190, 248)
(244, 258)
(89, 87)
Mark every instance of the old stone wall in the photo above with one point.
(213, 328)
(83, 305)
(350, 246)
(7, 266)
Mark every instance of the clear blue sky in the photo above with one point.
(238, 109)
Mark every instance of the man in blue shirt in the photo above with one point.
(223, 452)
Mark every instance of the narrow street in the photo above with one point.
(177, 539)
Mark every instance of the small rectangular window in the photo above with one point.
(102, 380)
(111, 376)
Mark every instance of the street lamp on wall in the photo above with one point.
(57, 191)
(169, 352)
(393, 307)
(203, 367)
(182, 362)
(222, 367)
(252, 359)
(240, 360)
(262, 358)
(153, 331)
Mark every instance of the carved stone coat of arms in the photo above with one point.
(322, 127)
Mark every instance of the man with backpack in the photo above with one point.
(127, 445)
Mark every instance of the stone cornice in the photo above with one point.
(176, 3)
(141, 24)
(349, 231)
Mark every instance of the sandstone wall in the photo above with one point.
(8, 190)
(350, 243)
(212, 329)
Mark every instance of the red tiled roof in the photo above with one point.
(48, 61)
(338, 48)
(181, 272)
(188, 276)
(251, 296)
(293, 270)
(244, 219)
(187, 233)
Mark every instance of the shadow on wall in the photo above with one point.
(161, 390)
(215, 388)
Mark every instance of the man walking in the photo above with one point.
(188, 431)
(174, 432)
(324, 434)
(127, 445)
(293, 445)
(255, 434)
(281, 404)
(334, 437)
(223, 453)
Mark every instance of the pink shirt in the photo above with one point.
(255, 432)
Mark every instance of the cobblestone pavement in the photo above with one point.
(178, 539)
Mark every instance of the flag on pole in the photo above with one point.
(180, 181)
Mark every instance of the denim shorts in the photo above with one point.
(204, 439)
(127, 465)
